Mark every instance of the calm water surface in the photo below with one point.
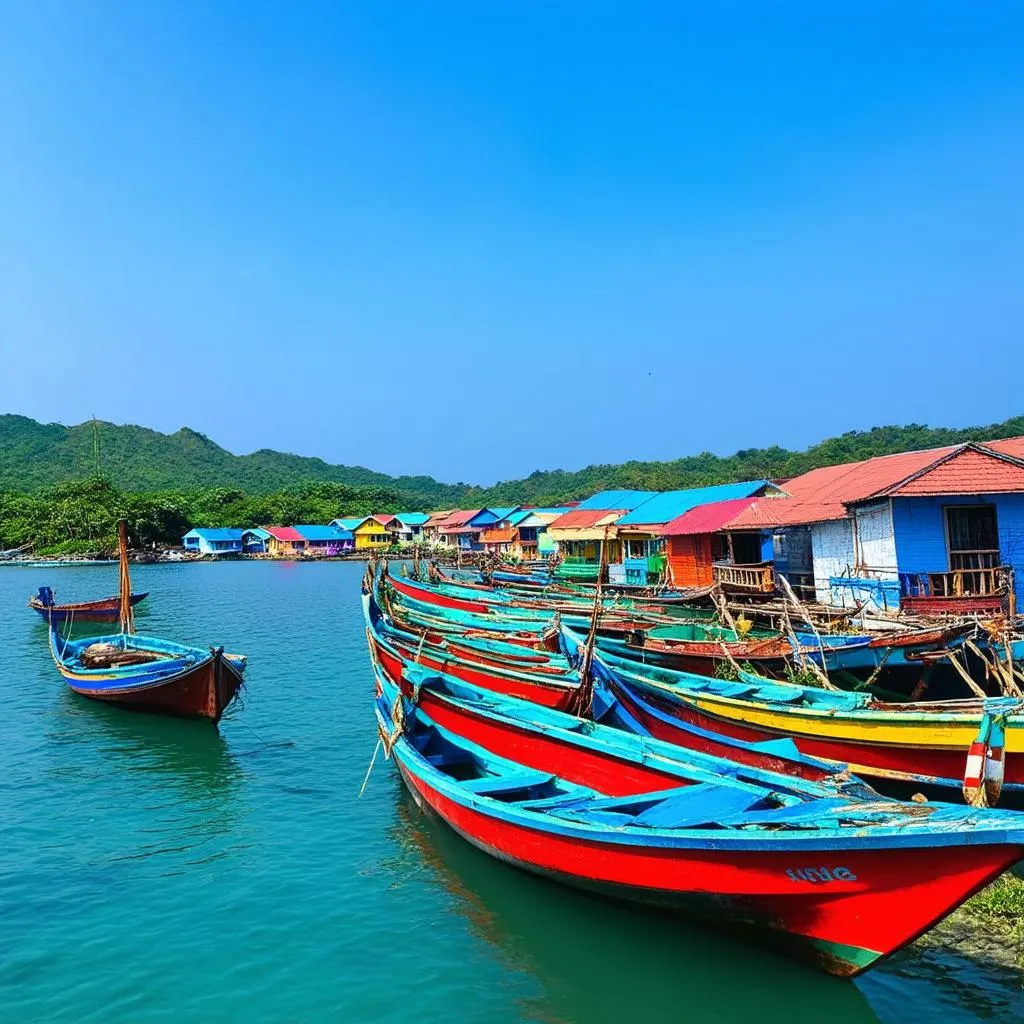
(154, 870)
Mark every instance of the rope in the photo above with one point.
(866, 685)
(373, 761)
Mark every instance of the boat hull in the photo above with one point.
(106, 610)
(881, 749)
(842, 925)
(185, 682)
(540, 690)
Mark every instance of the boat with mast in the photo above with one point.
(147, 673)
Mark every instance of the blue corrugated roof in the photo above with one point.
(349, 522)
(259, 531)
(616, 499)
(216, 533)
(663, 508)
(412, 518)
(320, 532)
(503, 513)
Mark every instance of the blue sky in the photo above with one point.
(474, 240)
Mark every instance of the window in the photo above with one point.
(746, 548)
(972, 536)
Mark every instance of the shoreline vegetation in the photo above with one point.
(79, 518)
(166, 484)
(989, 926)
(36, 457)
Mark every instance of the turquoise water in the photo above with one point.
(155, 870)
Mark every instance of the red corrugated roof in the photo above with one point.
(458, 518)
(285, 533)
(824, 493)
(706, 518)
(967, 472)
(583, 518)
(384, 520)
(1013, 446)
(462, 529)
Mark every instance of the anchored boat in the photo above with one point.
(147, 673)
(824, 876)
(106, 609)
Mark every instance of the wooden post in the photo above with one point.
(585, 694)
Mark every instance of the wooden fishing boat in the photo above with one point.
(646, 700)
(879, 740)
(825, 878)
(392, 652)
(147, 673)
(107, 609)
(560, 595)
(9, 554)
(420, 599)
(618, 761)
(546, 586)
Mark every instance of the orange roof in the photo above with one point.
(497, 536)
(968, 471)
(824, 493)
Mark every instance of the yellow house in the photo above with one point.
(374, 532)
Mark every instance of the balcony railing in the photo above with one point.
(956, 583)
(758, 578)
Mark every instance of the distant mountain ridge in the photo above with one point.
(34, 456)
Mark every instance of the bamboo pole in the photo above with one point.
(585, 694)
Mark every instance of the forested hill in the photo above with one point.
(34, 456)
(772, 463)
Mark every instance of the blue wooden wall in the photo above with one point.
(920, 528)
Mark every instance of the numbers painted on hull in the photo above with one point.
(818, 876)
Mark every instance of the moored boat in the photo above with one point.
(825, 877)
(396, 656)
(148, 673)
(107, 609)
(924, 741)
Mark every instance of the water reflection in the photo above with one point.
(598, 961)
(960, 971)
(190, 757)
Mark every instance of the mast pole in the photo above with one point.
(127, 617)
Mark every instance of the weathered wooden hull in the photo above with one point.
(547, 692)
(107, 609)
(193, 685)
(394, 655)
(841, 933)
(885, 742)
